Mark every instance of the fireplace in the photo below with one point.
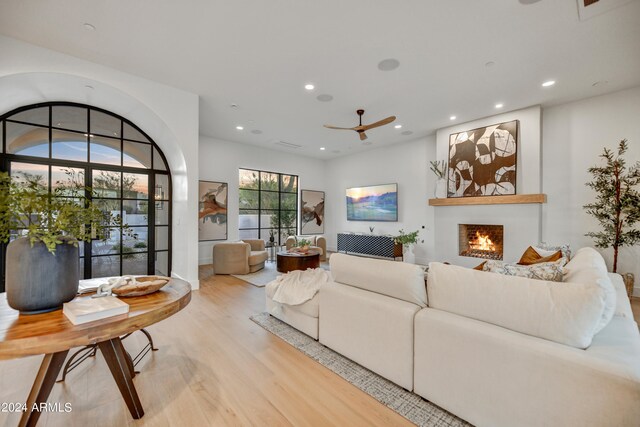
(481, 240)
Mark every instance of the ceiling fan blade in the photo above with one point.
(335, 127)
(379, 123)
(363, 136)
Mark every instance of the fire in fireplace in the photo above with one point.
(481, 240)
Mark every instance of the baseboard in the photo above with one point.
(205, 261)
(195, 283)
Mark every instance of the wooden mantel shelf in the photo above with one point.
(490, 200)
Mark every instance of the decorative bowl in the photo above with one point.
(142, 285)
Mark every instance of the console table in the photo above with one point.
(369, 244)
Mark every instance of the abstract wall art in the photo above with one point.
(482, 162)
(311, 212)
(212, 210)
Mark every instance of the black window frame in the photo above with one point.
(152, 199)
(279, 229)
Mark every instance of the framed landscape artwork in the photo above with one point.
(482, 162)
(374, 203)
(311, 212)
(212, 210)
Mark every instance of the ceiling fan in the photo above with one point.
(361, 129)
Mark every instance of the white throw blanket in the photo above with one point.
(297, 287)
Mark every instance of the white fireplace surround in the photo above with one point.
(522, 222)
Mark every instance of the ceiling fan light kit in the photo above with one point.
(361, 129)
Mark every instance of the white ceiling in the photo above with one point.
(259, 54)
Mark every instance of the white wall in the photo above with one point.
(31, 74)
(574, 136)
(220, 160)
(405, 164)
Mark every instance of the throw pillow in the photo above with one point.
(550, 271)
(545, 249)
(480, 267)
(531, 256)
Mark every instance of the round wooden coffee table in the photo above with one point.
(289, 261)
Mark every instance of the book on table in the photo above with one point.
(85, 310)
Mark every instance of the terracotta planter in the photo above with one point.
(38, 281)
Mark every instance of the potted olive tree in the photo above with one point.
(617, 204)
(44, 229)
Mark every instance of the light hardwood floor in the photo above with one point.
(215, 367)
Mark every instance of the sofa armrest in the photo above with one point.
(290, 242)
(321, 242)
(256, 245)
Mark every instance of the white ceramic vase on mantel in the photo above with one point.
(440, 189)
(407, 254)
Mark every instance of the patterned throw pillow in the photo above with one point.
(547, 249)
(551, 271)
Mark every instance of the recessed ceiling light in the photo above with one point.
(600, 83)
(548, 83)
(489, 64)
(526, 2)
(500, 105)
(256, 131)
(452, 118)
(322, 148)
(388, 64)
(239, 127)
(398, 126)
(89, 87)
(88, 26)
(233, 106)
(407, 132)
(309, 86)
(324, 97)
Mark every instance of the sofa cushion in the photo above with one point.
(395, 279)
(567, 313)
(257, 257)
(551, 271)
(588, 266)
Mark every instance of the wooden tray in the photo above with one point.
(145, 285)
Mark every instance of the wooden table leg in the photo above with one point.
(46, 378)
(122, 370)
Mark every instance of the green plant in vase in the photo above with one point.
(44, 230)
(303, 245)
(407, 240)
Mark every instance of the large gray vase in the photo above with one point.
(38, 281)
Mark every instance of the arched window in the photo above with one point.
(60, 141)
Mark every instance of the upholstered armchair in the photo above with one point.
(318, 243)
(247, 256)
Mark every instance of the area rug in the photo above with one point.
(409, 405)
(261, 277)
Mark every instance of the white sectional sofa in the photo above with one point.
(476, 362)
(494, 350)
